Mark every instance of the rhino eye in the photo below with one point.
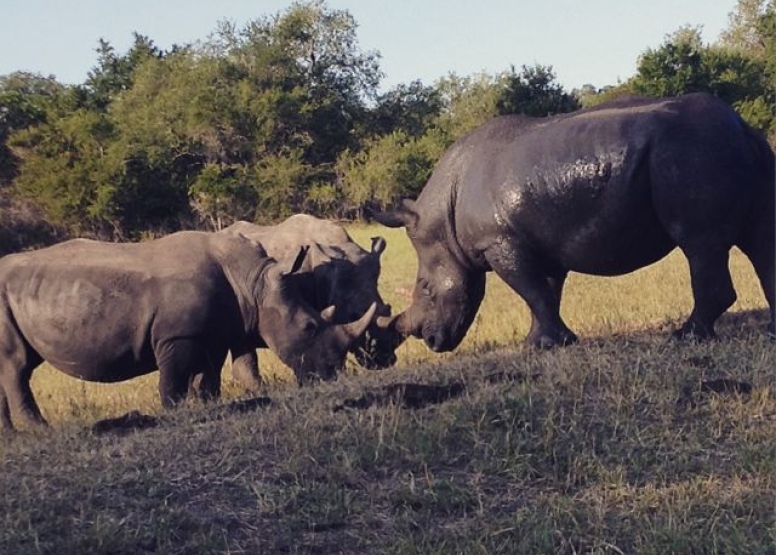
(310, 327)
(425, 287)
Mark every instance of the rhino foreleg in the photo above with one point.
(566, 336)
(186, 362)
(540, 292)
(5, 412)
(245, 370)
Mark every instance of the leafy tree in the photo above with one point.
(534, 92)
(63, 170)
(743, 31)
(113, 73)
(467, 102)
(308, 61)
(281, 182)
(766, 29)
(391, 166)
(25, 100)
(411, 109)
(683, 64)
(220, 196)
(673, 69)
(590, 98)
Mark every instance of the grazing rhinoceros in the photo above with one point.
(109, 312)
(336, 271)
(602, 191)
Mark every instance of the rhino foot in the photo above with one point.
(550, 341)
(693, 331)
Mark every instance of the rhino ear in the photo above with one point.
(378, 245)
(402, 216)
(298, 261)
(254, 243)
(317, 255)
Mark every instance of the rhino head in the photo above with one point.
(308, 341)
(447, 294)
(350, 283)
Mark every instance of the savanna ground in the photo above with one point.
(611, 446)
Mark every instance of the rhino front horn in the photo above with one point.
(354, 330)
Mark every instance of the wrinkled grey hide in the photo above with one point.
(336, 271)
(602, 191)
(109, 312)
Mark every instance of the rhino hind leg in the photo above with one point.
(712, 289)
(19, 401)
(760, 248)
(16, 398)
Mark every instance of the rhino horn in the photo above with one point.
(400, 323)
(327, 314)
(349, 333)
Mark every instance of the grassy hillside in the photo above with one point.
(625, 443)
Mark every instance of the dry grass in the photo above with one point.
(606, 447)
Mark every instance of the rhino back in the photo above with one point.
(581, 188)
(285, 239)
(333, 258)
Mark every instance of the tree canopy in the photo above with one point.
(285, 114)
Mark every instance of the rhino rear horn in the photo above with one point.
(399, 323)
(392, 329)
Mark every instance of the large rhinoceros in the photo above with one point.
(601, 191)
(337, 271)
(109, 312)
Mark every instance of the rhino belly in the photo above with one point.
(599, 236)
(94, 333)
(613, 252)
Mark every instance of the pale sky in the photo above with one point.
(593, 41)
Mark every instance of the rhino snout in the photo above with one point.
(438, 340)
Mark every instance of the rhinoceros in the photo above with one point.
(109, 312)
(602, 191)
(336, 271)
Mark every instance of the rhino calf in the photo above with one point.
(337, 271)
(110, 312)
